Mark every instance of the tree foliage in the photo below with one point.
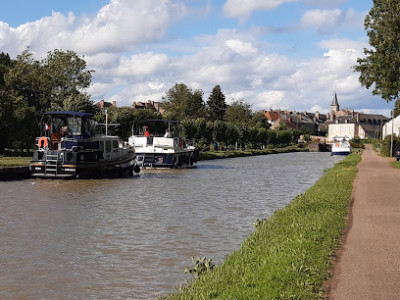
(216, 104)
(30, 87)
(46, 84)
(380, 67)
(238, 113)
(181, 103)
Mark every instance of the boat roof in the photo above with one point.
(70, 113)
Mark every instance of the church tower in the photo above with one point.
(334, 106)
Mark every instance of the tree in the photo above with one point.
(67, 73)
(381, 65)
(259, 120)
(238, 113)
(216, 104)
(181, 103)
(79, 102)
(29, 87)
(5, 65)
(48, 83)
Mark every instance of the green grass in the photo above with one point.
(14, 161)
(288, 256)
(248, 152)
(396, 164)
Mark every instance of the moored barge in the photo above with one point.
(70, 148)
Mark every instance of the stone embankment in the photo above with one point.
(13, 173)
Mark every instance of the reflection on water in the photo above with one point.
(132, 238)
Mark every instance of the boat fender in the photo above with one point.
(136, 169)
(43, 142)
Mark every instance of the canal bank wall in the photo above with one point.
(14, 173)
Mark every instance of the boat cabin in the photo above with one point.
(67, 129)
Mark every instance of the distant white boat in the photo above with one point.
(157, 146)
(341, 146)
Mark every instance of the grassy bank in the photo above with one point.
(14, 161)
(248, 152)
(396, 164)
(287, 257)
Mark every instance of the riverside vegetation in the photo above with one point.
(288, 255)
(14, 161)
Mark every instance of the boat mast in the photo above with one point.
(106, 122)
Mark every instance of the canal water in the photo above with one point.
(132, 238)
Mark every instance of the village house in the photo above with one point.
(392, 124)
(311, 122)
(338, 122)
(152, 105)
(103, 104)
(351, 124)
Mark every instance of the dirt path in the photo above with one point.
(368, 265)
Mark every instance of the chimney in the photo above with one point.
(114, 103)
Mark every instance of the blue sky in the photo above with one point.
(274, 54)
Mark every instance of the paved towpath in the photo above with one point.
(368, 266)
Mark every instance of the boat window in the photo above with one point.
(74, 125)
(108, 146)
(115, 144)
(90, 126)
(57, 123)
(101, 145)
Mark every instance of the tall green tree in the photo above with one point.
(5, 65)
(380, 67)
(79, 102)
(46, 84)
(67, 73)
(181, 102)
(259, 120)
(239, 113)
(30, 87)
(216, 104)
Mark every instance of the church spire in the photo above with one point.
(334, 100)
(335, 104)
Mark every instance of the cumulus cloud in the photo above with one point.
(243, 9)
(342, 44)
(119, 26)
(325, 3)
(123, 24)
(325, 20)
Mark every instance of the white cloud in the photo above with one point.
(141, 64)
(342, 44)
(243, 9)
(119, 26)
(326, 20)
(320, 18)
(124, 24)
(325, 3)
(240, 46)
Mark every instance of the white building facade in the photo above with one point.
(387, 128)
(342, 129)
